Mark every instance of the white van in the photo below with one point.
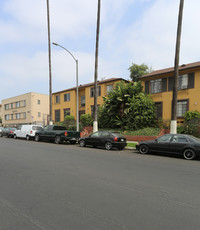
(27, 131)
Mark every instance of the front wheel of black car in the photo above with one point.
(108, 145)
(189, 154)
(143, 149)
(37, 137)
(82, 143)
(57, 139)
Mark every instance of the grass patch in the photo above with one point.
(131, 144)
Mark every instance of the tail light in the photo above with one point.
(31, 131)
(115, 139)
(65, 133)
(11, 131)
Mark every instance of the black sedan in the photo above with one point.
(186, 145)
(105, 139)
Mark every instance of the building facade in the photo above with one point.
(159, 84)
(29, 108)
(64, 102)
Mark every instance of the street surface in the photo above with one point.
(44, 186)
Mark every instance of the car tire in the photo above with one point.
(15, 136)
(82, 143)
(28, 137)
(57, 139)
(143, 149)
(189, 154)
(37, 137)
(108, 145)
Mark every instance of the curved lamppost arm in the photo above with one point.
(77, 99)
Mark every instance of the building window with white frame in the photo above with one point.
(156, 86)
(67, 97)
(38, 102)
(18, 115)
(57, 98)
(17, 104)
(182, 107)
(7, 117)
(6, 106)
(39, 114)
(109, 88)
(183, 81)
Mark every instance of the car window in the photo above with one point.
(165, 138)
(97, 134)
(105, 134)
(182, 139)
(37, 128)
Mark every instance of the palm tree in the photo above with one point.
(95, 124)
(173, 128)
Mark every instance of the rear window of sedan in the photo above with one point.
(37, 128)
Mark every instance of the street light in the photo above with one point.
(77, 106)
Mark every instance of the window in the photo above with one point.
(156, 86)
(180, 139)
(39, 114)
(183, 81)
(98, 91)
(17, 104)
(67, 97)
(38, 102)
(24, 103)
(6, 106)
(17, 115)
(182, 107)
(57, 115)
(57, 98)
(11, 105)
(165, 138)
(158, 109)
(24, 115)
(83, 101)
(7, 117)
(109, 88)
(66, 112)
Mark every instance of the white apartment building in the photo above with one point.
(29, 108)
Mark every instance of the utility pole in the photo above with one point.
(95, 123)
(173, 126)
(50, 78)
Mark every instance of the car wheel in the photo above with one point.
(82, 143)
(108, 145)
(189, 154)
(37, 137)
(57, 139)
(27, 137)
(143, 149)
(15, 136)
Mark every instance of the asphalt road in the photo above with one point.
(60, 187)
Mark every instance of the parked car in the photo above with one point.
(1, 130)
(106, 139)
(186, 145)
(27, 131)
(58, 134)
(8, 132)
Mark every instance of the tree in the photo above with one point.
(127, 107)
(137, 71)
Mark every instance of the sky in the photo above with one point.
(131, 31)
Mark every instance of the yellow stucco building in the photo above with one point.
(159, 84)
(64, 102)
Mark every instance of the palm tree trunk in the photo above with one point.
(173, 128)
(95, 124)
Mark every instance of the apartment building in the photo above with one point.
(0, 113)
(29, 108)
(64, 102)
(159, 84)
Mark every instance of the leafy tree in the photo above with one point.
(189, 115)
(126, 107)
(86, 120)
(137, 71)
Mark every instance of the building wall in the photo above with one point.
(83, 91)
(32, 107)
(190, 94)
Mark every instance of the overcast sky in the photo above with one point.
(131, 31)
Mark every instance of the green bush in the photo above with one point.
(86, 120)
(69, 121)
(189, 115)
